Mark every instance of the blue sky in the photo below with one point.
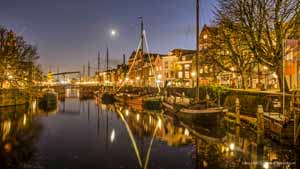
(68, 33)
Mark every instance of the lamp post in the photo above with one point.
(193, 78)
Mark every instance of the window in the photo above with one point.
(166, 65)
(167, 75)
(180, 74)
(187, 74)
(187, 67)
(201, 71)
(179, 67)
(183, 58)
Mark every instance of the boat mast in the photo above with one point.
(142, 45)
(107, 59)
(197, 51)
(107, 54)
(98, 68)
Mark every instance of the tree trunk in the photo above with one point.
(243, 79)
(281, 78)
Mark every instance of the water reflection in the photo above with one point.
(88, 134)
(19, 134)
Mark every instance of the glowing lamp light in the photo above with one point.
(138, 117)
(159, 76)
(126, 112)
(275, 75)
(193, 74)
(10, 77)
(159, 123)
(266, 165)
(186, 132)
(232, 146)
(25, 119)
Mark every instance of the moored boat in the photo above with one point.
(107, 98)
(147, 101)
(48, 99)
(197, 111)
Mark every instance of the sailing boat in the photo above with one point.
(140, 97)
(107, 97)
(203, 111)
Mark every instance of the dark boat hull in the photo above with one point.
(203, 116)
(107, 98)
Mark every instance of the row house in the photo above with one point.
(178, 68)
(144, 69)
(259, 76)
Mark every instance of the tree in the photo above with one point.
(226, 48)
(264, 27)
(17, 66)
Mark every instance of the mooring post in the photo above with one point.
(207, 100)
(260, 124)
(296, 127)
(237, 111)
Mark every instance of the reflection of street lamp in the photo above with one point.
(112, 136)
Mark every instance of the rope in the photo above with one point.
(134, 59)
(148, 51)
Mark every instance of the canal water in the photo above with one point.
(85, 134)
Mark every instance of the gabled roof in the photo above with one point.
(180, 52)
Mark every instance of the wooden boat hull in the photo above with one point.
(202, 115)
(206, 121)
(130, 100)
(151, 103)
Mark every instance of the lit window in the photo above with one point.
(187, 67)
(183, 58)
(187, 74)
(179, 67)
(201, 71)
(180, 74)
(205, 36)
